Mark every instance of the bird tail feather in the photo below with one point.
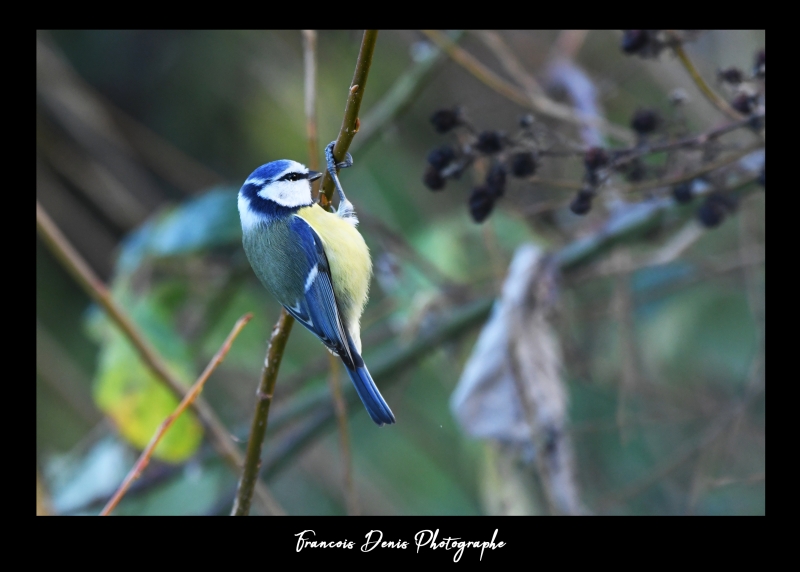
(372, 399)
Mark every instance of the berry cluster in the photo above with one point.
(514, 155)
(644, 43)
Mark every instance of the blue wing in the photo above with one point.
(318, 310)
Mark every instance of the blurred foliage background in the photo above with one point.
(143, 139)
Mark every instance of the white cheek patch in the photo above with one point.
(249, 219)
(288, 193)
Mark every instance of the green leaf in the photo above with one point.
(132, 396)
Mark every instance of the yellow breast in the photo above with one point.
(348, 257)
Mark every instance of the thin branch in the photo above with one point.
(682, 455)
(269, 375)
(701, 84)
(310, 56)
(340, 409)
(400, 95)
(705, 169)
(310, 69)
(94, 287)
(281, 330)
(351, 123)
(539, 103)
(508, 59)
(191, 395)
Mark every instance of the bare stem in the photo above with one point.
(94, 287)
(536, 102)
(310, 56)
(350, 123)
(281, 330)
(189, 398)
(252, 463)
(702, 85)
(340, 409)
(310, 69)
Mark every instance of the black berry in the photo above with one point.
(582, 203)
(634, 40)
(441, 157)
(496, 179)
(445, 119)
(645, 121)
(595, 158)
(732, 75)
(433, 179)
(481, 203)
(713, 210)
(580, 207)
(489, 142)
(744, 103)
(711, 213)
(682, 192)
(523, 164)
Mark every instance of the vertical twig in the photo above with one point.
(281, 330)
(309, 57)
(194, 392)
(94, 287)
(351, 123)
(252, 463)
(340, 408)
(310, 82)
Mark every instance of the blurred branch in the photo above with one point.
(701, 84)
(538, 103)
(191, 395)
(340, 409)
(633, 220)
(310, 83)
(309, 57)
(637, 219)
(705, 169)
(269, 375)
(351, 123)
(508, 59)
(77, 267)
(281, 330)
(683, 454)
(164, 158)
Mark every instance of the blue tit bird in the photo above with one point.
(313, 261)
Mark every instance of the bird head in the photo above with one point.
(274, 190)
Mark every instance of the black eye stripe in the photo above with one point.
(293, 176)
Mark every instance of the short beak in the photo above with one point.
(314, 175)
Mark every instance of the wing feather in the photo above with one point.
(317, 308)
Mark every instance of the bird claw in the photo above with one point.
(348, 162)
(332, 164)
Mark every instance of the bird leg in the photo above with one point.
(345, 210)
